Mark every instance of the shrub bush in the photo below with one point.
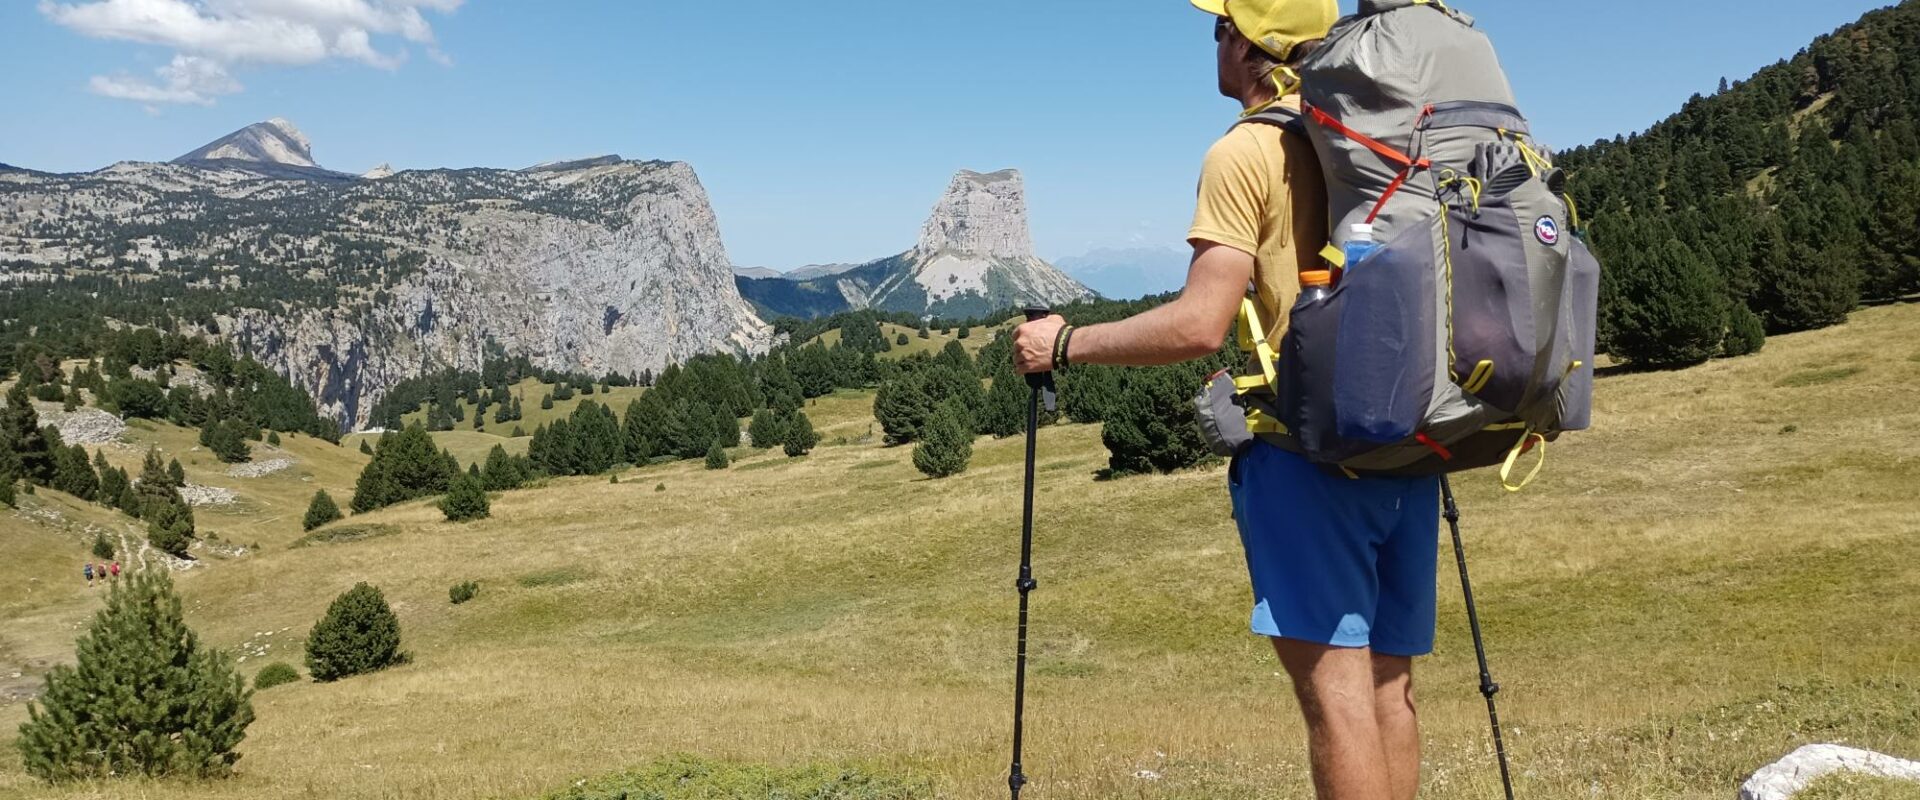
(717, 457)
(275, 674)
(321, 510)
(466, 501)
(358, 635)
(946, 444)
(142, 698)
(463, 591)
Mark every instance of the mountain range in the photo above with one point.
(349, 285)
(974, 257)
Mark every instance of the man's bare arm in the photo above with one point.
(1190, 327)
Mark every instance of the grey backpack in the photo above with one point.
(1467, 338)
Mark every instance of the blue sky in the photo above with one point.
(824, 130)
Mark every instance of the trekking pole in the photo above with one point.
(1487, 687)
(1042, 386)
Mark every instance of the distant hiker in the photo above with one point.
(87, 570)
(1343, 569)
(114, 569)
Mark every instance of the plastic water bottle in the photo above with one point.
(1315, 285)
(1360, 244)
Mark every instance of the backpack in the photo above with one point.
(1467, 338)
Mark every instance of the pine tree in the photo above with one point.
(321, 511)
(365, 448)
(113, 487)
(466, 501)
(73, 473)
(946, 443)
(901, 406)
(102, 549)
(900, 340)
(143, 697)
(20, 432)
(503, 472)
(359, 634)
(1668, 309)
(800, 436)
(546, 402)
(1004, 413)
(228, 443)
(406, 466)
(176, 474)
(170, 525)
(765, 429)
(717, 457)
(1150, 425)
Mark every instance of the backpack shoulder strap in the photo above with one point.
(1280, 117)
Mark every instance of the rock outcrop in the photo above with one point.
(1789, 776)
(348, 286)
(275, 141)
(974, 256)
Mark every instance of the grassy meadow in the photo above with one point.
(1728, 566)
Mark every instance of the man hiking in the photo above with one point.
(1342, 569)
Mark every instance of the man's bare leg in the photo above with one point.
(1336, 688)
(1399, 725)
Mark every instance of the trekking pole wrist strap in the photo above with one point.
(1061, 359)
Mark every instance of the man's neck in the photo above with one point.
(1261, 95)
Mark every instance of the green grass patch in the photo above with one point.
(874, 465)
(555, 577)
(335, 534)
(1854, 786)
(765, 463)
(686, 778)
(1817, 377)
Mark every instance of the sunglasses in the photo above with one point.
(1221, 27)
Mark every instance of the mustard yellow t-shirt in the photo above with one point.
(1261, 192)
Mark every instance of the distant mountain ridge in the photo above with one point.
(974, 256)
(349, 285)
(275, 141)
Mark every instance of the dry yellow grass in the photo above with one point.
(1727, 566)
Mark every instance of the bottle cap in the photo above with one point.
(1316, 277)
(1362, 228)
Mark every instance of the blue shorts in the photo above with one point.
(1338, 561)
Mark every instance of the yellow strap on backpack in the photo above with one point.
(1513, 457)
(1253, 339)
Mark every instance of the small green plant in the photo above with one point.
(275, 674)
(463, 591)
(614, 479)
(1789, 429)
(102, 549)
(661, 487)
(273, 438)
(717, 457)
(359, 634)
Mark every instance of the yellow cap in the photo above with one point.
(1277, 26)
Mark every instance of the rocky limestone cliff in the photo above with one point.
(348, 285)
(275, 141)
(974, 257)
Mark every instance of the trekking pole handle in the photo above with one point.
(1035, 313)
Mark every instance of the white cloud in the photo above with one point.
(211, 36)
(188, 79)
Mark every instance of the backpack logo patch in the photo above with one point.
(1547, 230)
